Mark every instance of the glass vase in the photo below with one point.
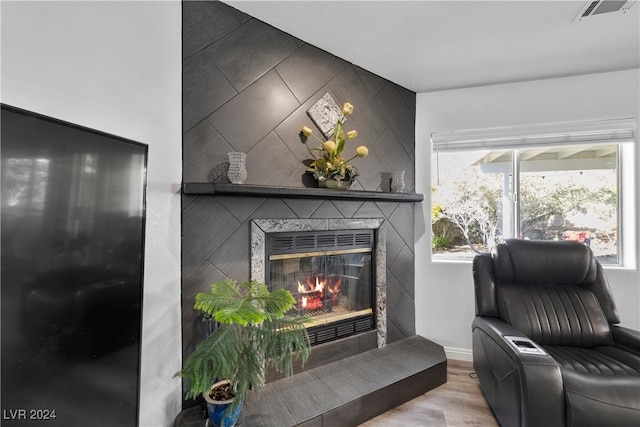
(397, 181)
(237, 167)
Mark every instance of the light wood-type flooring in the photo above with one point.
(457, 403)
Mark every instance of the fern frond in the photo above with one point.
(213, 359)
(284, 341)
(229, 302)
(223, 294)
(277, 303)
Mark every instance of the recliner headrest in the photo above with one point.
(543, 262)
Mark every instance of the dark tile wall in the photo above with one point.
(247, 87)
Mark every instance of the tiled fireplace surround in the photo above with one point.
(247, 87)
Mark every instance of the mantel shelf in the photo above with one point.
(211, 189)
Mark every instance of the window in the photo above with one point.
(537, 183)
(25, 181)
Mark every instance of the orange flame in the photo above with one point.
(335, 288)
(317, 289)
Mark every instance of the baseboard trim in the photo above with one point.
(456, 353)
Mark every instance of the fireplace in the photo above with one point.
(331, 276)
(335, 269)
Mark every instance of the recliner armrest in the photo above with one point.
(486, 304)
(498, 330)
(626, 338)
(541, 397)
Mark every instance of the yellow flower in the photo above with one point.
(306, 131)
(331, 164)
(329, 146)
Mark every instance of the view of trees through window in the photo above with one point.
(562, 193)
(25, 181)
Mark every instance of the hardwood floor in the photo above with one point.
(457, 403)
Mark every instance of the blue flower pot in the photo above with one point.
(219, 416)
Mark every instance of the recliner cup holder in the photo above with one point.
(525, 345)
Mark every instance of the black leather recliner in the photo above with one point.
(546, 347)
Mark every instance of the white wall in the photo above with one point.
(116, 67)
(444, 290)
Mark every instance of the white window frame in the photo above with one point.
(621, 131)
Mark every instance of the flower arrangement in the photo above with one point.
(332, 165)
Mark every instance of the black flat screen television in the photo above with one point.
(73, 221)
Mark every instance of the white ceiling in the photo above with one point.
(438, 45)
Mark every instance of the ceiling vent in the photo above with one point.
(601, 7)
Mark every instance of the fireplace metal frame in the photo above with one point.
(261, 227)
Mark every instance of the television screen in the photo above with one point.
(73, 216)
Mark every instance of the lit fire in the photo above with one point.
(315, 293)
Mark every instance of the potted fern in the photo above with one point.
(253, 333)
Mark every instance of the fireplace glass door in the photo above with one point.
(333, 288)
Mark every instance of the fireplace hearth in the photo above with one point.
(335, 269)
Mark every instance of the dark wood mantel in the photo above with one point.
(212, 189)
